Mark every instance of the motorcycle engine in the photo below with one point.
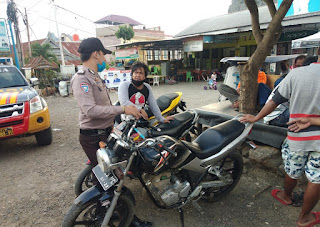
(166, 188)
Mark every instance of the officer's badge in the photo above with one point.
(84, 87)
(91, 71)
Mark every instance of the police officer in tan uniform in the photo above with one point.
(96, 116)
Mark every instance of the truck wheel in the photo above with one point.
(44, 137)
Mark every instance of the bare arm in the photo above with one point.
(268, 108)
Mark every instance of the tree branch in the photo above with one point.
(256, 31)
(271, 7)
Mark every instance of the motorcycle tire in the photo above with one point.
(84, 180)
(92, 213)
(232, 166)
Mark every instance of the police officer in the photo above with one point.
(96, 116)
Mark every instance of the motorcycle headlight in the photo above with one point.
(104, 161)
(35, 104)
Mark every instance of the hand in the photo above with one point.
(248, 118)
(132, 110)
(144, 114)
(299, 124)
(168, 119)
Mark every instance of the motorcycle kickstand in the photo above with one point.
(181, 217)
(196, 204)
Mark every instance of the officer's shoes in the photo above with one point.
(136, 222)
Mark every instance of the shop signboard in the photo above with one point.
(302, 6)
(288, 36)
(131, 53)
(194, 44)
(4, 40)
(113, 77)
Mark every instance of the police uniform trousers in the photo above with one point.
(89, 141)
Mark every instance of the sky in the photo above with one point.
(77, 17)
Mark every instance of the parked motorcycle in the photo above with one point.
(168, 105)
(179, 128)
(174, 173)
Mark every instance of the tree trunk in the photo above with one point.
(249, 72)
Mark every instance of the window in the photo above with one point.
(165, 55)
(149, 55)
(11, 77)
(156, 55)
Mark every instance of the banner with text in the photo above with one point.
(131, 53)
(193, 44)
(4, 40)
(114, 77)
(302, 6)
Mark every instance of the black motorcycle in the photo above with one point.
(181, 128)
(174, 173)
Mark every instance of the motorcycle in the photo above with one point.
(174, 173)
(168, 105)
(186, 120)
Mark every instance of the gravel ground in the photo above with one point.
(37, 182)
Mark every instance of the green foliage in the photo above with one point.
(44, 51)
(46, 78)
(124, 32)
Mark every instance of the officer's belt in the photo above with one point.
(96, 132)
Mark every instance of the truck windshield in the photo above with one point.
(11, 77)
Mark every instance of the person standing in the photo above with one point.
(96, 115)
(301, 88)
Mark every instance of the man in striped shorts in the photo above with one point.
(301, 89)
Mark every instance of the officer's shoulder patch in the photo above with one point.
(81, 72)
(84, 87)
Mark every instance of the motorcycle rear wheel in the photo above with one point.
(231, 168)
(92, 213)
(84, 180)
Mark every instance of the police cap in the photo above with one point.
(90, 45)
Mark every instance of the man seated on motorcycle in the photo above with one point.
(138, 93)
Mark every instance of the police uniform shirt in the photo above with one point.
(96, 109)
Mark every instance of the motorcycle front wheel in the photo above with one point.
(84, 180)
(92, 213)
(230, 168)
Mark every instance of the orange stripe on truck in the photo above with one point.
(3, 99)
(13, 98)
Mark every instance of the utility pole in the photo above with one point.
(27, 24)
(12, 16)
(60, 44)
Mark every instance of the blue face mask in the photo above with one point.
(101, 67)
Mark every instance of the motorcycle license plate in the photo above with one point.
(6, 132)
(105, 179)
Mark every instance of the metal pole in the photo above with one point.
(14, 46)
(60, 44)
(27, 24)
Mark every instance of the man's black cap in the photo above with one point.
(90, 45)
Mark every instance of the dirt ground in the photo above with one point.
(36, 186)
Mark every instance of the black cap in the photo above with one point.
(90, 45)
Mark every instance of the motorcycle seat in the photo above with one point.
(164, 101)
(214, 139)
(181, 122)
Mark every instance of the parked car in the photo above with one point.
(22, 111)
